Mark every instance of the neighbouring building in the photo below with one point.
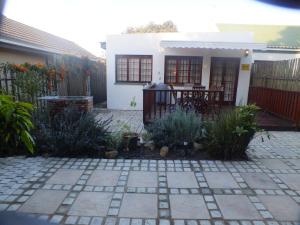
(283, 41)
(20, 43)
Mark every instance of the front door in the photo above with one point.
(224, 73)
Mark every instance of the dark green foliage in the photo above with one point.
(15, 125)
(229, 136)
(72, 133)
(175, 128)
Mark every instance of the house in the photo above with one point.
(20, 43)
(283, 41)
(211, 59)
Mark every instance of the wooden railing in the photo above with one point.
(157, 103)
(285, 104)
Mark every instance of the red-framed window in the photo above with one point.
(183, 69)
(134, 68)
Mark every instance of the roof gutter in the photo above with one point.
(24, 45)
(212, 45)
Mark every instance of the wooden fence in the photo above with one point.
(71, 85)
(275, 87)
(11, 86)
(280, 75)
(98, 84)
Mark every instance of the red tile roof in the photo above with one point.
(20, 34)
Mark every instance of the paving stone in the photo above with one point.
(181, 180)
(84, 220)
(56, 219)
(179, 222)
(136, 222)
(236, 207)
(125, 221)
(215, 213)
(283, 208)
(113, 212)
(71, 220)
(164, 222)
(291, 180)
(91, 204)
(274, 164)
(139, 206)
(104, 178)
(188, 207)
(65, 176)
(259, 180)
(13, 207)
(36, 203)
(295, 162)
(150, 222)
(142, 179)
(220, 180)
(3, 206)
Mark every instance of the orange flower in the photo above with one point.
(40, 65)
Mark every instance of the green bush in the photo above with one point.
(229, 136)
(15, 125)
(72, 133)
(176, 128)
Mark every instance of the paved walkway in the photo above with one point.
(149, 192)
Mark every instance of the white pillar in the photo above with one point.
(206, 71)
(243, 81)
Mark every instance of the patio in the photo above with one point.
(87, 191)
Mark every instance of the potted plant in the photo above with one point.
(146, 141)
(130, 139)
(199, 140)
(113, 143)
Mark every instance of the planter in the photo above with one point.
(150, 145)
(111, 153)
(130, 141)
(197, 146)
(164, 151)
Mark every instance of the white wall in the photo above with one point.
(120, 95)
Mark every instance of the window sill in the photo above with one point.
(131, 83)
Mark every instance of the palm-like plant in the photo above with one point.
(15, 123)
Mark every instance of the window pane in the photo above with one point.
(171, 71)
(146, 69)
(196, 70)
(128, 68)
(134, 68)
(121, 69)
(183, 69)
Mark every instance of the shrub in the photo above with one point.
(72, 133)
(229, 136)
(15, 125)
(113, 141)
(176, 128)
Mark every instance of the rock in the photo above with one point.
(164, 151)
(197, 146)
(150, 145)
(111, 154)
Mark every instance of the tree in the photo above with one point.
(167, 26)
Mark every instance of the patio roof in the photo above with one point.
(212, 45)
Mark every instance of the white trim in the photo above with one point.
(213, 45)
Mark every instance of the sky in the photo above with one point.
(87, 22)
